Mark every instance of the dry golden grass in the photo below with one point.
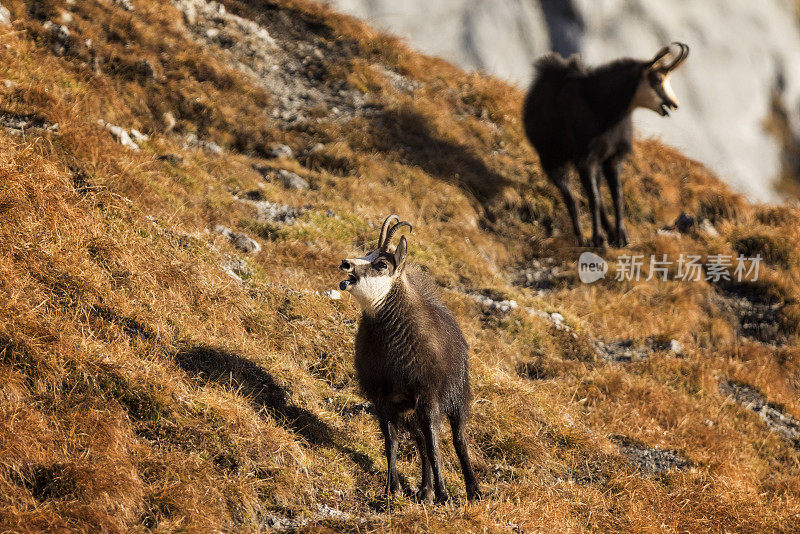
(144, 389)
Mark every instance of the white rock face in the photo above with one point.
(740, 48)
(5, 16)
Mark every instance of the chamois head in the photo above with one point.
(654, 91)
(371, 276)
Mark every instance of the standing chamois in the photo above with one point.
(411, 360)
(579, 115)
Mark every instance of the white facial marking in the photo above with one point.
(667, 88)
(366, 260)
(647, 97)
(371, 290)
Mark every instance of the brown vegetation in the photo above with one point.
(144, 388)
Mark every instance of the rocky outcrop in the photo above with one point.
(750, 398)
(743, 53)
(290, 69)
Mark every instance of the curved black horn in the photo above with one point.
(659, 56)
(681, 57)
(394, 229)
(382, 241)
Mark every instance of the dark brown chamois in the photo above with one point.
(579, 115)
(411, 360)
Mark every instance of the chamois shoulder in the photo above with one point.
(423, 285)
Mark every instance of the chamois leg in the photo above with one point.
(607, 226)
(429, 421)
(389, 429)
(588, 174)
(425, 493)
(458, 426)
(611, 172)
(560, 177)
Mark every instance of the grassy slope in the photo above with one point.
(144, 388)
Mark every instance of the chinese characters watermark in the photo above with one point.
(684, 268)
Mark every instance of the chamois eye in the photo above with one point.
(380, 265)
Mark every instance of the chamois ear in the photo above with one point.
(400, 254)
(654, 64)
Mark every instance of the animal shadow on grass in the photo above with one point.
(228, 369)
(411, 136)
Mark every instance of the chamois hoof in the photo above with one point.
(474, 494)
(442, 497)
(622, 239)
(393, 490)
(599, 241)
(425, 495)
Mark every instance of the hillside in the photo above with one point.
(170, 360)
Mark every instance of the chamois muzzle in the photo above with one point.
(667, 104)
(344, 284)
(347, 267)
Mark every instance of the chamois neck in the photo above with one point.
(390, 301)
(611, 89)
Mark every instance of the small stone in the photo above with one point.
(65, 18)
(327, 511)
(291, 180)
(121, 135)
(60, 32)
(236, 268)
(211, 147)
(280, 151)
(223, 230)
(267, 211)
(557, 317)
(333, 294)
(318, 147)
(502, 306)
(138, 136)
(666, 232)
(245, 243)
(707, 228)
(675, 347)
(5, 16)
(124, 4)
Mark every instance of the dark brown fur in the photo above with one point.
(411, 361)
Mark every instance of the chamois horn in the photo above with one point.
(382, 241)
(394, 229)
(684, 53)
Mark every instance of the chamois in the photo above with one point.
(579, 115)
(410, 359)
